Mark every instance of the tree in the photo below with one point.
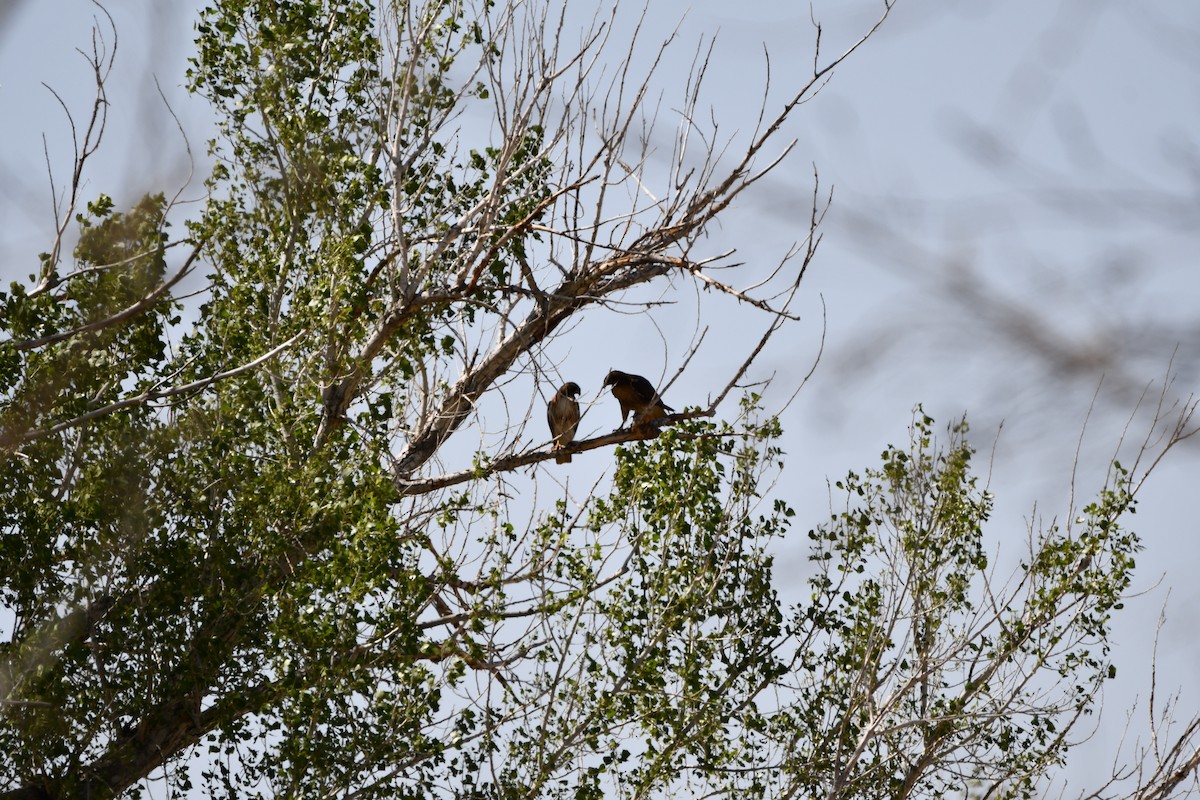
(244, 542)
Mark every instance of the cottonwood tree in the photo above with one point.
(260, 538)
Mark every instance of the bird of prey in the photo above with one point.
(562, 412)
(636, 395)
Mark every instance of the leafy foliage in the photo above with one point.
(932, 679)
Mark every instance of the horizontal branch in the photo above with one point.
(11, 439)
(148, 300)
(411, 488)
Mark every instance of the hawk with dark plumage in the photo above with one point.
(562, 412)
(637, 396)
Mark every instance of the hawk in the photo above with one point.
(562, 412)
(636, 395)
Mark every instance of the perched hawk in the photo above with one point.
(562, 412)
(637, 395)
